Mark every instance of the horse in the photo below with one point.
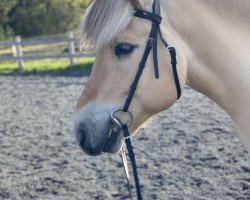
(212, 41)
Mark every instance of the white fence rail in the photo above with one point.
(18, 56)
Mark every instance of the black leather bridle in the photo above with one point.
(156, 19)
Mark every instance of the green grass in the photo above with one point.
(82, 65)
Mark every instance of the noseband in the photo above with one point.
(156, 19)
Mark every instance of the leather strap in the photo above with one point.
(151, 44)
(155, 31)
(148, 15)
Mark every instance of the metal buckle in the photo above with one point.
(169, 47)
(118, 122)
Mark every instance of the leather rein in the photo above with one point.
(155, 17)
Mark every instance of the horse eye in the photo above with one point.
(123, 49)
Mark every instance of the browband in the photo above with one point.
(148, 15)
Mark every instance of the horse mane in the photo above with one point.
(103, 21)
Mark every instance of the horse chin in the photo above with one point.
(114, 142)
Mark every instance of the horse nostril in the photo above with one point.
(83, 136)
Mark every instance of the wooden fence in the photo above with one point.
(18, 56)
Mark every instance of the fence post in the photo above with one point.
(18, 53)
(71, 48)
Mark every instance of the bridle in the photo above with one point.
(155, 17)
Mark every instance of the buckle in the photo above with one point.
(170, 47)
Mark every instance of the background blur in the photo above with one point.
(42, 36)
(29, 18)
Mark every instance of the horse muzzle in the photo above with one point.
(95, 132)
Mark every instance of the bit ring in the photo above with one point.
(119, 122)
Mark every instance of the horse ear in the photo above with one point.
(137, 4)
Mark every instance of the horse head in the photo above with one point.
(120, 41)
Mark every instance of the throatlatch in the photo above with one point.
(156, 19)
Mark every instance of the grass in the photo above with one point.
(52, 66)
(44, 66)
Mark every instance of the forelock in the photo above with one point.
(103, 20)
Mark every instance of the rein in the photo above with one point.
(156, 19)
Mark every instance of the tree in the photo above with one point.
(5, 7)
(38, 17)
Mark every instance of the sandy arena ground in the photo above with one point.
(187, 152)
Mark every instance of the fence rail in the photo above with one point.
(18, 44)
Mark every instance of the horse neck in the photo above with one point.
(215, 41)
